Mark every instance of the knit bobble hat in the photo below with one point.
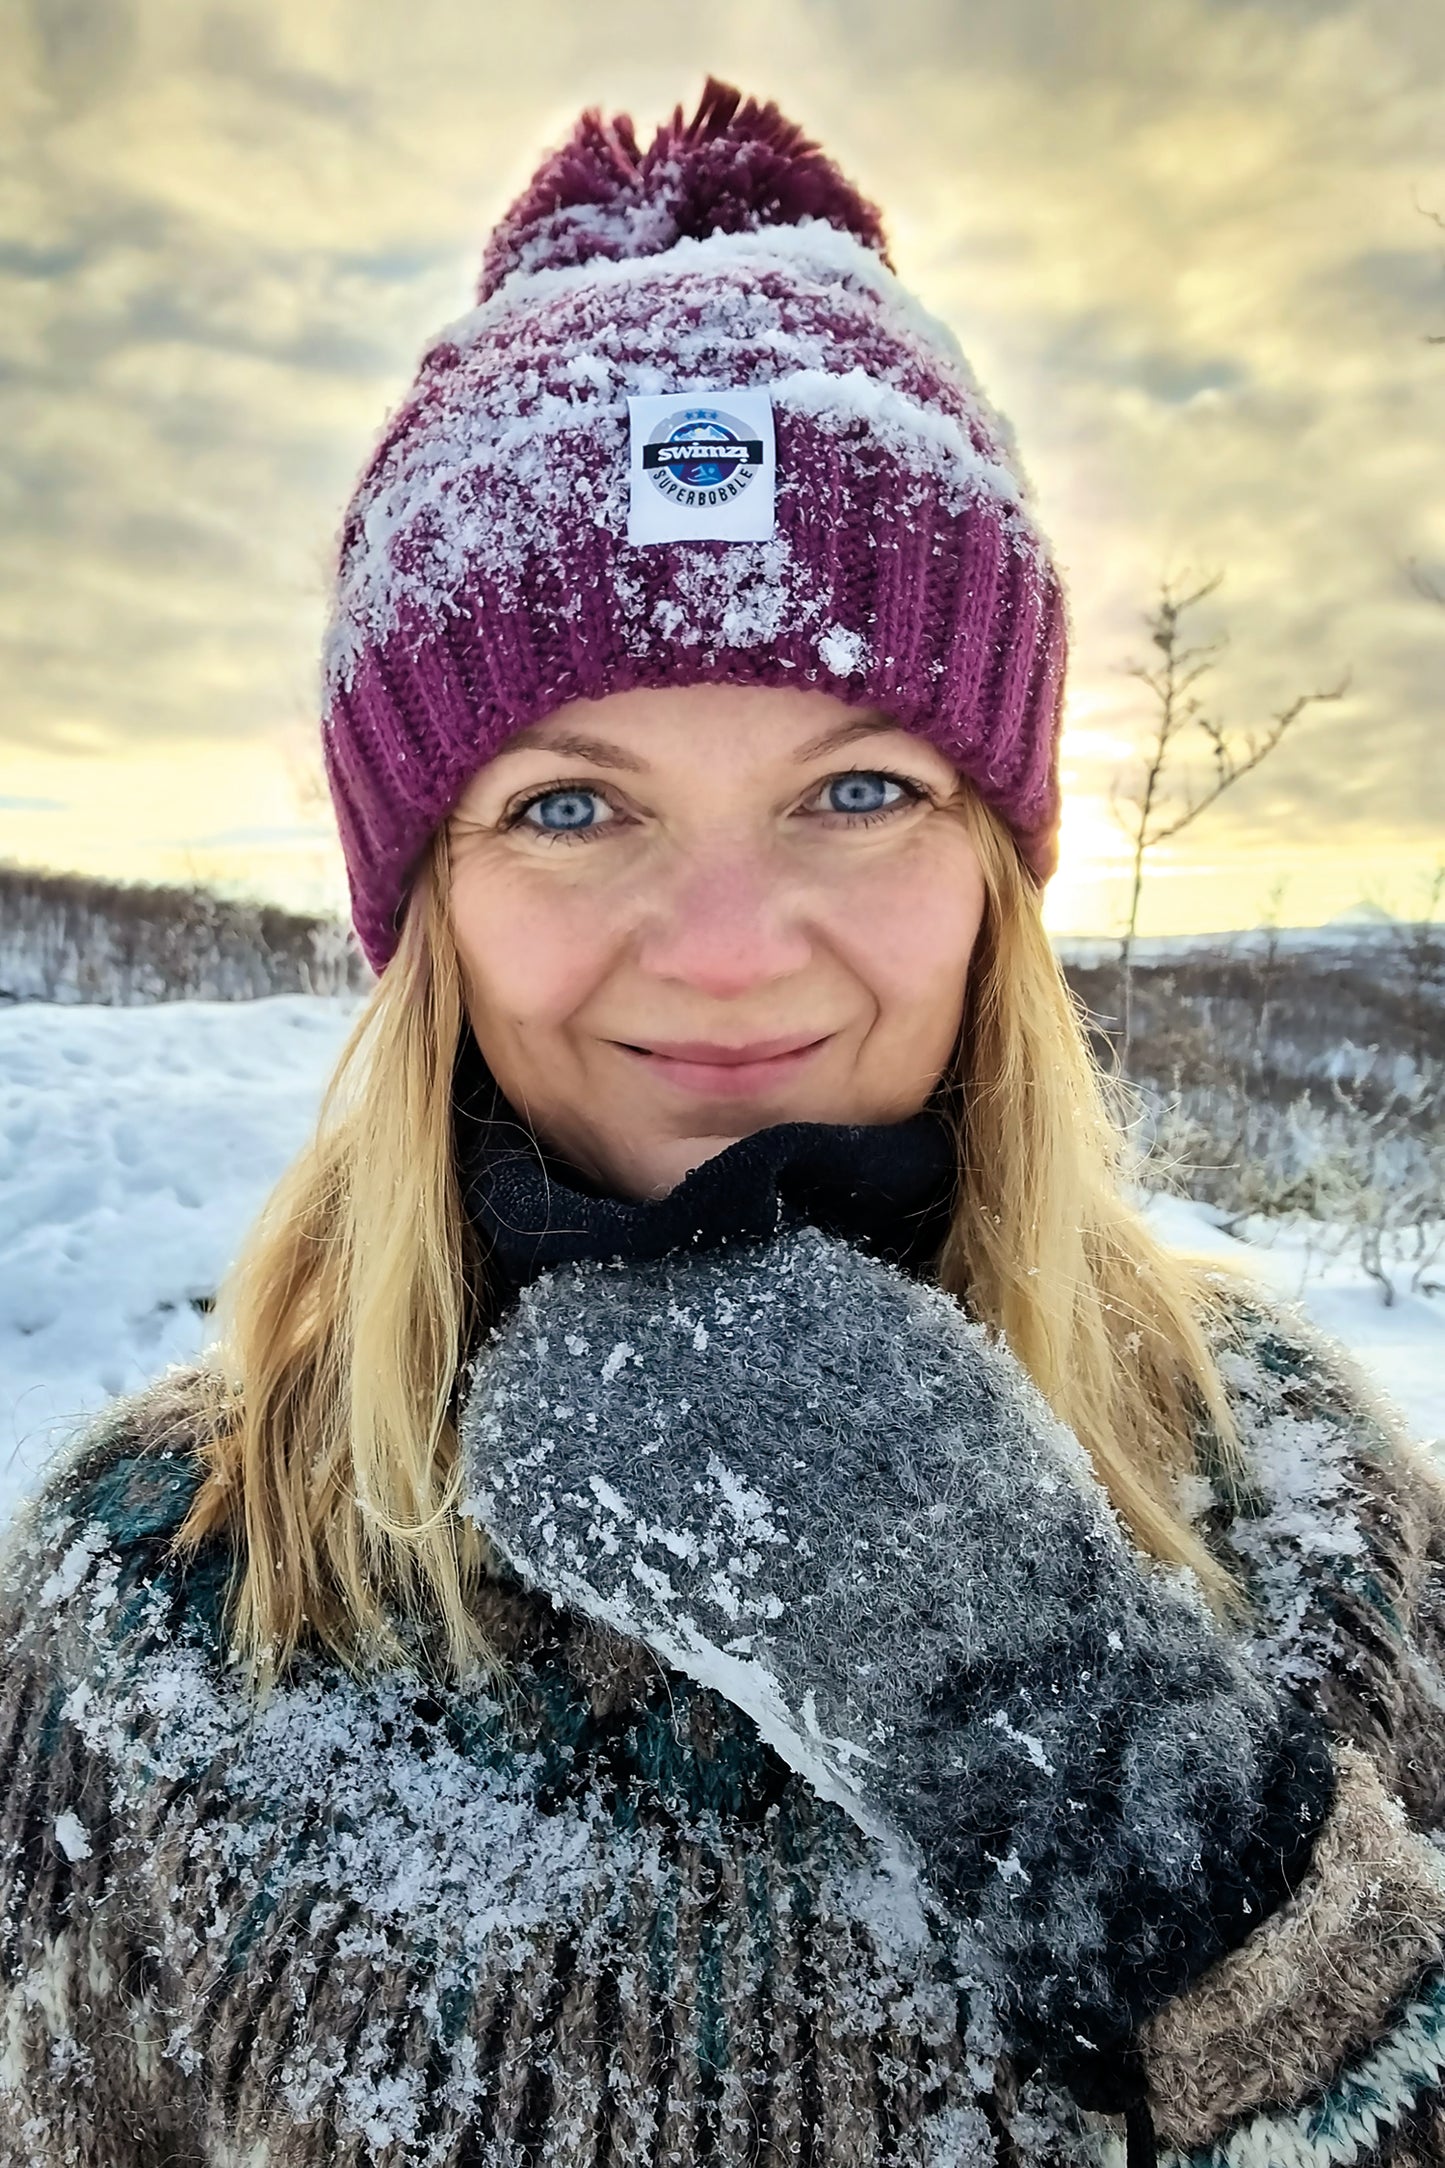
(694, 430)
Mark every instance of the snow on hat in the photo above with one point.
(695, 429)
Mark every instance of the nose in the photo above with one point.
(725, 924)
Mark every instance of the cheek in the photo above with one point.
(530, 950)
(908, 924)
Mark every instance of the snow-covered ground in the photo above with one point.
(137, 1144)
(135, 1147)
(1402, 1344)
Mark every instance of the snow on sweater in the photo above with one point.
(597, 1920)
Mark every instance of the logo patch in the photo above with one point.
(702, 467)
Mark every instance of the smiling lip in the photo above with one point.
(699, 1065)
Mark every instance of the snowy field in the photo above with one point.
(136, 1145)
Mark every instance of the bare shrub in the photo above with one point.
(67, 937)
(1163, 796)
(1295, 1078)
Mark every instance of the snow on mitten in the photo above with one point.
(812, 1483)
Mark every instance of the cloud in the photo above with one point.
(238, 47)
(82, 47)
(286, 834)
(1182, 244)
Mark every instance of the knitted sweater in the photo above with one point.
(597, 1921)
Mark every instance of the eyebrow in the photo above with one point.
(860, 726)
(575, 746)
(572, 746)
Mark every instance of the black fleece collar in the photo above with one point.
(887, 1187)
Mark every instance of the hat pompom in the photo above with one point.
(735, 166)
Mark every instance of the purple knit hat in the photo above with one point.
(694, 429)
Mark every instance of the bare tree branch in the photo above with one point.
(1230, 768)
(1158, 808)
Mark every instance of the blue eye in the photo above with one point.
(572, 810)
(860, 792)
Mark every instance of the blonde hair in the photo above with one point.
(328, 1438)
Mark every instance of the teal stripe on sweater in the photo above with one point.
(1362, 2105)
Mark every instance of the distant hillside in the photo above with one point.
(67, 937)
(1295, 999)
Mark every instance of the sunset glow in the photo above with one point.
(1187, 248)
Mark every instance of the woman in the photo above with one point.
(717, 1597)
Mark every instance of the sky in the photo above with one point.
(1192, 248)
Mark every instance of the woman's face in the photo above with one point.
(686, 914)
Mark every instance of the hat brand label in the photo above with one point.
(702, 467)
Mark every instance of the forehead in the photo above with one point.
(752, 726)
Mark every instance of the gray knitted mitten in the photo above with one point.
(814, 1484)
